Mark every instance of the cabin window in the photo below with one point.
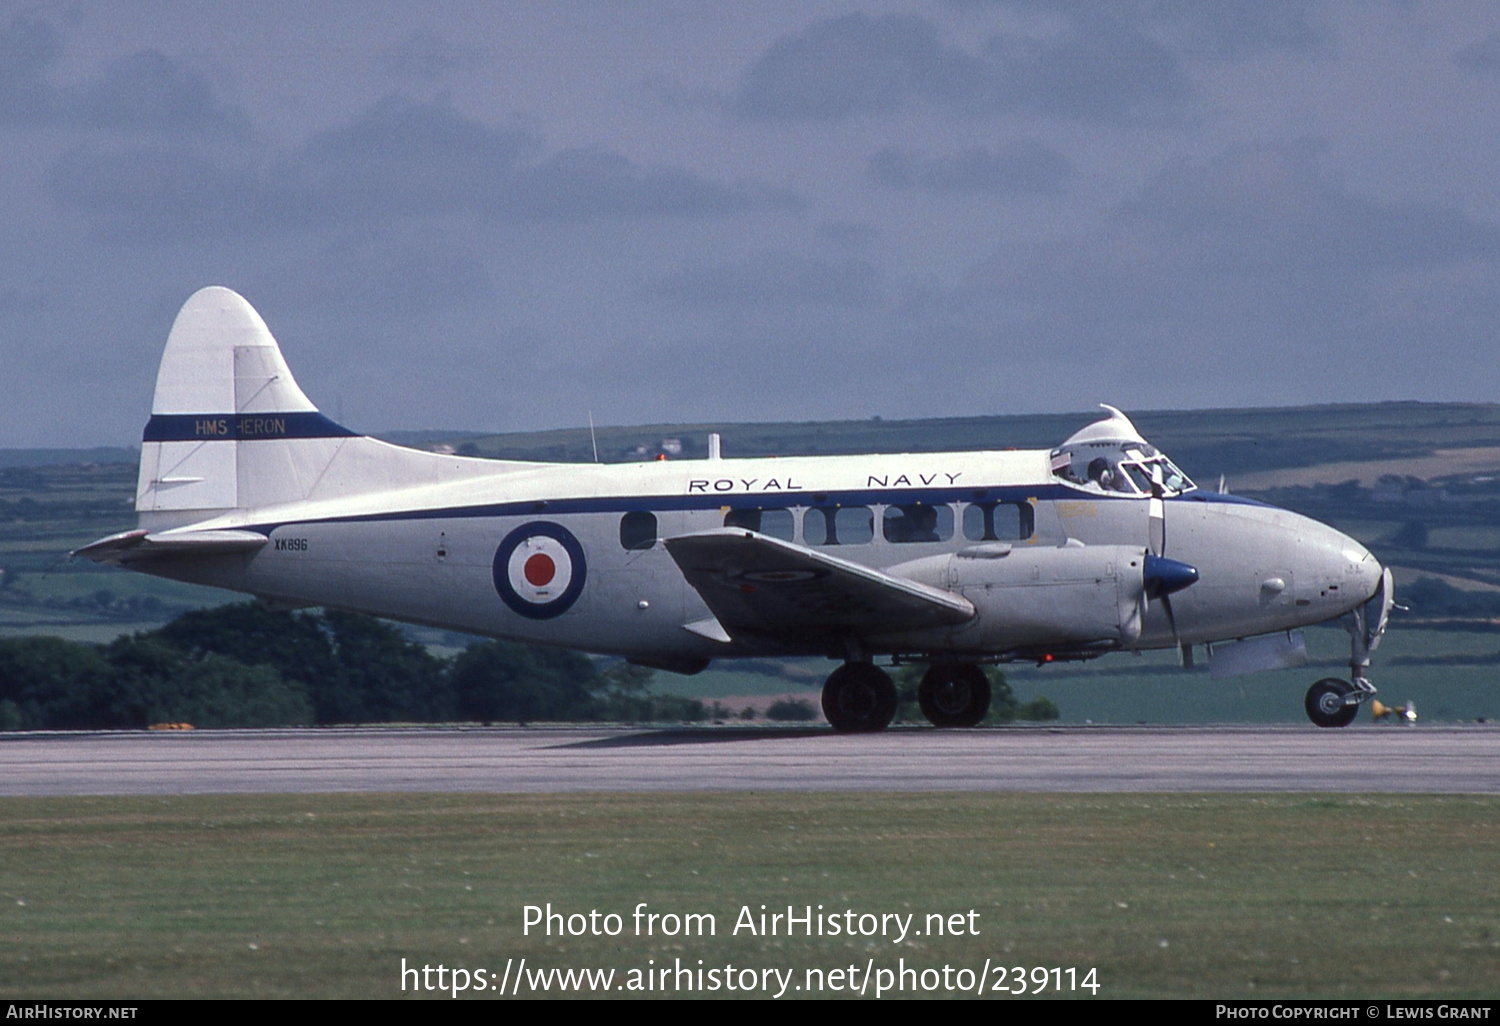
(838, 525)
(917, 522)
(999, 521)
(774, 523)
(638, 530)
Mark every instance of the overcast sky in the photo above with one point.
(497, 215)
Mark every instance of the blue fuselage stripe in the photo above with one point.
(811, 498)
(241, 427)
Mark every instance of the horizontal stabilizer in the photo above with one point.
(759, 585)
(135, 546)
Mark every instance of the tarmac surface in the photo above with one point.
(1422, 759)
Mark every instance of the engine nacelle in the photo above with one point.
(1028, 596)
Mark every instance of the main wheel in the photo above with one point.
(1325, 703)
(859, 698)
(954, 695)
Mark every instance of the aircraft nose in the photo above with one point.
(1361, 568)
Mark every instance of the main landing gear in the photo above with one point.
(1332, 702)
(954, 695)
(860, 698)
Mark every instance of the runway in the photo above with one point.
(1428, 759)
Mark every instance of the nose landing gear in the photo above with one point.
(1329, 704)
(1332, 702)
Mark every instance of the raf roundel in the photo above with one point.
(539, 570)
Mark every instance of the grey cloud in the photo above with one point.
(1483, 55)
(167, 192)
(852, 65)
(1102, 69)
(773, 281)
(839, 68)
(583, 184)
(425, 57)
(399, 160)
(1254, 256)
(402, 158)
(1242, 28)
(409, 157)
(151, 91)
(1018, 168)
(28, 51)
(144, 91)
(383, 273)
(400, 130)
(1225, 28)
(848, 234)
(1273, 207)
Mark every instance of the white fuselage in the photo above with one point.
(428, 553)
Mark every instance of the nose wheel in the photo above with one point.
(1329, 703)
(1332, 702)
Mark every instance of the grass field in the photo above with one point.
(323, 896)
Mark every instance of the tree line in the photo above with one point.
(249, 666)
(246, 665)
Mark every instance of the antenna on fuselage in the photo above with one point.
(592, 437)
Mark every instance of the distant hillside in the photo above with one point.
(60, 457)
(1205, 443)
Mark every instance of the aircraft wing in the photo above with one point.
(759, 585)
(135, 546)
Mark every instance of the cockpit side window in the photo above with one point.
(1138, 476)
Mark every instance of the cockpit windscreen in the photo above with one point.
(1125, 470)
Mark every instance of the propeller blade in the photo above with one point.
(1157, 529)
(1163, 576)
(1157, 512)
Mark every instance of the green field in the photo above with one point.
(323, 896)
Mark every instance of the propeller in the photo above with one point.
(1162, 576)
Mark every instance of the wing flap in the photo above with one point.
(764, 586)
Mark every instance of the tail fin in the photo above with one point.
(230, 429)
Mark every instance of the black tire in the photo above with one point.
(954, 695)
(859, 698)
(1325, 703)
